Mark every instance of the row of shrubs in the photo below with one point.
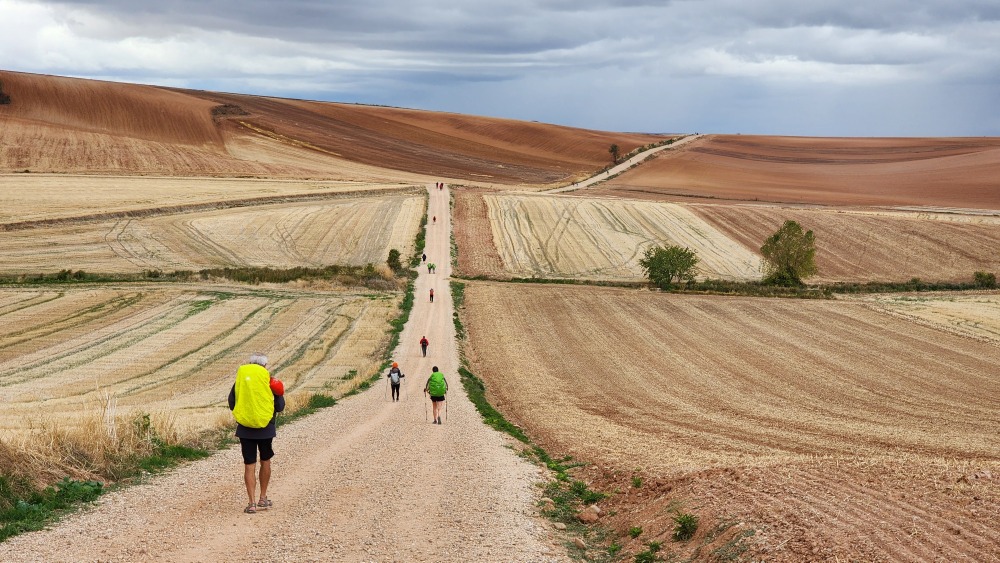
(367, 275)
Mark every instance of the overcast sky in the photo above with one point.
(789, 67)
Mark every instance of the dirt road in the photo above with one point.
(622, 167)
(366, 480)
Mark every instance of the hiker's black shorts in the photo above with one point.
(437, 398)
(250, 447)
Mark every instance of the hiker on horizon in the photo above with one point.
(256, 399)
(395, 378)
(432, 295)
(437, 386)
(423, 346)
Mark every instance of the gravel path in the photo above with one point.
(366, 480)
(621, 167)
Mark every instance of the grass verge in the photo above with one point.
(565, 496)
(756, 288)
(368, 276)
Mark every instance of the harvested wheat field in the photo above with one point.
(873, 246)
(57, 124)
(810, 429)
(341, 229)
(172, 351)
(30, 200)
(974, 315)
(586, 238)
(936, 172)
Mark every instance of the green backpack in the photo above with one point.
(436, 386)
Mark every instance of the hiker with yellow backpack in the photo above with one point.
(256, 399)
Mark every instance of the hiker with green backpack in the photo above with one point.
(437, 387)
(256, 399)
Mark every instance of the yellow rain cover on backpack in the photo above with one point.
(254, 400)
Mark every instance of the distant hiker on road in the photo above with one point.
(435, 219)
(437, 386)
(255, 400)
(423, 345)
(432, 268)
(423, 257)
(432, 295)
(395, 378)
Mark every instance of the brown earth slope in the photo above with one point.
(873, 246)
(56, 124)
(814, 431)
(948, 172)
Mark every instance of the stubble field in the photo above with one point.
(586, 238)
(212, 228)
(751, 410)
(172, 351)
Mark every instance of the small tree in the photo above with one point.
(664, 264)
(789, 255)
(985, 280)
(394, 263)
(615, 153)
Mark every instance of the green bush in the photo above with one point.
(789, 255)
(635, 531)
(663, 264)
(985, 280)
(393, 262)
(685, 525)
(649, 555)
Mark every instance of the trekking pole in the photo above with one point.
(425, 407)
(446, 409)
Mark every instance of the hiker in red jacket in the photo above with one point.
(432, 295)
(423, 345)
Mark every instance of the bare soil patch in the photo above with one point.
(819, 425)
(59, 124)
(473, 234)
(949, 172)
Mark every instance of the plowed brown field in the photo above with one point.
(56, 124)
(944, 172)
(832, 430)
(170, 351)
(859, 246)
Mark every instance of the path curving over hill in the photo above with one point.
(367, 479)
